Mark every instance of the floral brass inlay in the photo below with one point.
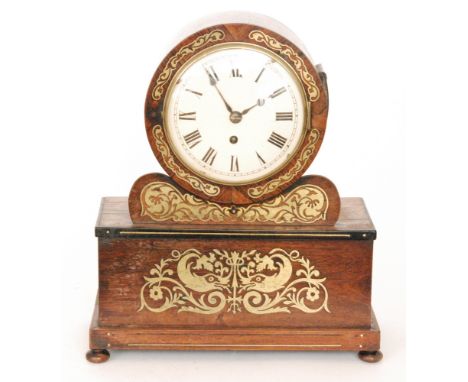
(299, 65)
(261, 284)
(171, 65)
(307, 151)
(162, 201)
(207, 188)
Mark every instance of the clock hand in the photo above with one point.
(213, 82)
(260, 102)
(229, 108)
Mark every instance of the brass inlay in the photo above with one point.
(277, 282)
(307, 151)
(245, 345)
(238, 45)
(216, 35)
(198, 184)
(298, 62)
(162, 201)
(201, 233)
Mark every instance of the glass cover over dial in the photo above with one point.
(236, 114)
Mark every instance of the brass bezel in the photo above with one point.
(239, 45)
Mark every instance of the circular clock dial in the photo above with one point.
(235, 115)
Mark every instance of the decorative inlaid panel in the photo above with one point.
(235, 281)
(162, 201)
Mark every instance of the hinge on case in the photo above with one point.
(323, 78)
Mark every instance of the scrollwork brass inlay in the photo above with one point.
(191, 281)
(299, 65)
(216, 35)
(307, 151)
(162, 201)
(207, 188)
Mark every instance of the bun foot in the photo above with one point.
(97, 355)
(370, 356)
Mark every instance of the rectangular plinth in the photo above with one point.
(235, 288)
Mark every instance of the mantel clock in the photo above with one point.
(234, 248)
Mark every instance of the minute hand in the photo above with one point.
(213, 82)
(229, 108)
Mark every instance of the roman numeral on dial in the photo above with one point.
(191, 116)
(260, 158)
(192, 139)
(277, 140)
(284, 116)
(212, 75)
(209, 156)
(198, 94)
(235, 73)
(234, 163)
(278, 92)
(260, 74)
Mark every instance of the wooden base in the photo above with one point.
(105, 338)
(160, 288)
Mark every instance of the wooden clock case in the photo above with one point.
(286, 268)
(316, 99)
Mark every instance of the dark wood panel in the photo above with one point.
(346, 265)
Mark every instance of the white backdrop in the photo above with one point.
(73, 81)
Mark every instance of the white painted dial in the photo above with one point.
(235, 115)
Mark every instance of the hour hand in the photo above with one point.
(260, 102)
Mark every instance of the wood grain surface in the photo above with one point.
(129, 254)
(132, 337)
